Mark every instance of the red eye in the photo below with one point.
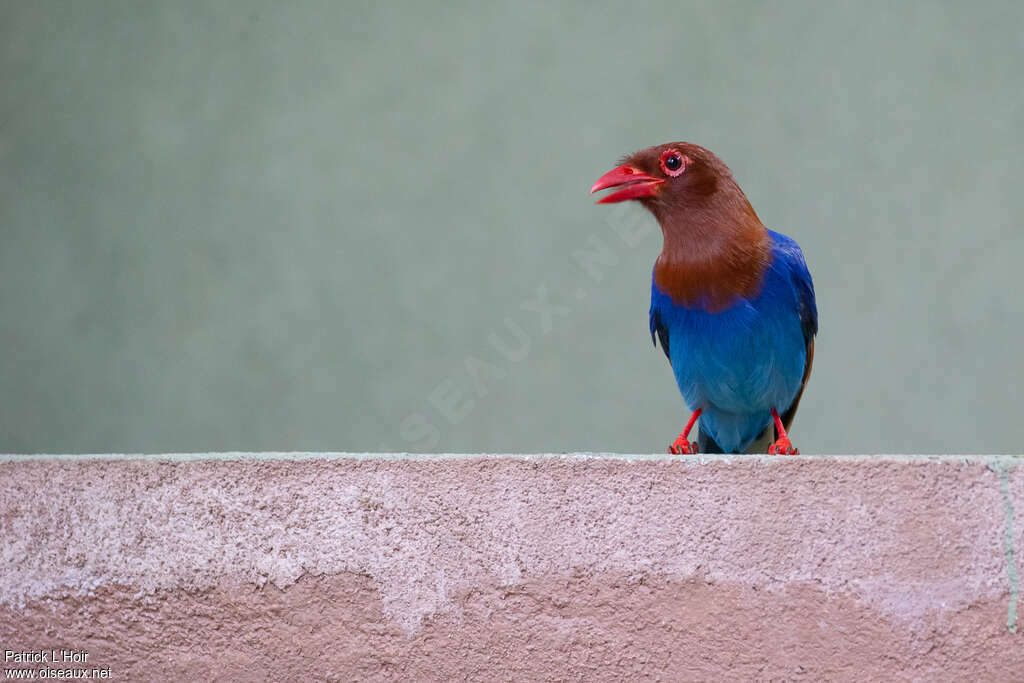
(673, 163)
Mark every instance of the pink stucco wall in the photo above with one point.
(516, 567)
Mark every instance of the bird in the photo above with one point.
(732, 302)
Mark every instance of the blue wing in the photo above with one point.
(804, 289)
(807, 309)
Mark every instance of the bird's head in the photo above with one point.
(675, 181)
(715, 247)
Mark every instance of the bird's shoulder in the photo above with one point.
(788, 259)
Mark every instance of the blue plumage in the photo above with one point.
(739, 363)
(732, 302)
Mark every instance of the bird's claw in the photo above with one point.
(783, 447)
(683, 447)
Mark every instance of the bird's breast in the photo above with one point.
(745, 357)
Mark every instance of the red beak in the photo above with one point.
(635, 184)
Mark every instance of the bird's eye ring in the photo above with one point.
(673, 163)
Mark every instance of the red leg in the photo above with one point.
(782, 446)
(682, 445)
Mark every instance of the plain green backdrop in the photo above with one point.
(358, 226)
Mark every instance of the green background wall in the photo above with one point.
(267, 225)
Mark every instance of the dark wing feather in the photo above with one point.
(807, 308)
(787, 417)
(657, 326)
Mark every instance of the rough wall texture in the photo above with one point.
(512, 568)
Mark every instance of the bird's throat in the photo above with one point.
(713, 267)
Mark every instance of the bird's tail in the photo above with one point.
(705, 444)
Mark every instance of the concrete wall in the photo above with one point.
(345, 567)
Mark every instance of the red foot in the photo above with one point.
(683, 447)
(783, 447)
